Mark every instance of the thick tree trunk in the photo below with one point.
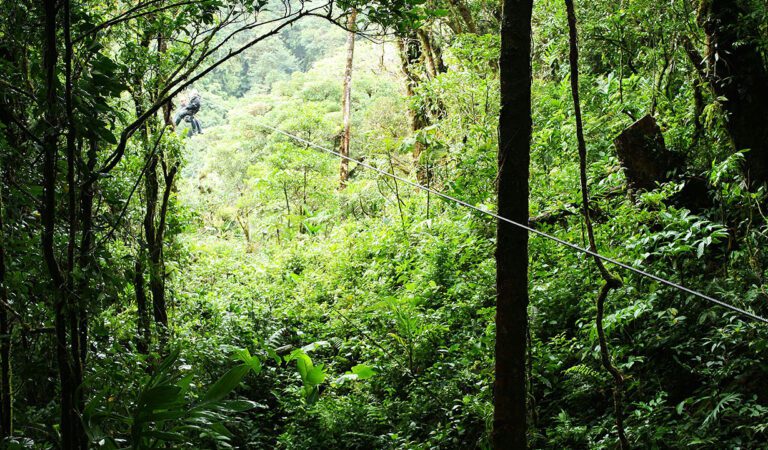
(737, 72)
(509, 421)
(157, 287)
(346, 101)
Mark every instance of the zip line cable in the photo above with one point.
(571, 245)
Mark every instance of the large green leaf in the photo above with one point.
(363, 372)
(315, 375)
(241, 405)
(226, 383)
(160, 397)
(253, 362)
(304, 365)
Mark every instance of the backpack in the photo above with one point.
(194, 104)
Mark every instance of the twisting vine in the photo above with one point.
(610, 281)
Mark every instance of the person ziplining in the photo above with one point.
(187, 110)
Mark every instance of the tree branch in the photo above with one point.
(174, 87)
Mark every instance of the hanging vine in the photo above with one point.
(610, 281)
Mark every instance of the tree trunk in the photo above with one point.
(162, 47)
(429, 55)
(153, 246)
(154, 218)
(86, 243)
(243, 219)
(410, 53)
(737, 72)
(72, 436)
(157, 222)
(169, 176)
(466, 15)
(144, 332)
(75, 301)
(509, 421)
(346, 101)
(437, 53)
(6, 400)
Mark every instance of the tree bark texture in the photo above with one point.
(509, 421)
(737, 71)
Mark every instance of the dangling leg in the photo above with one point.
(191, 121)
(179, 116)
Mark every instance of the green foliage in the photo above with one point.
(168, 410)
(311, 376)
(305, 316)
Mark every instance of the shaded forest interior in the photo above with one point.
(301, 225)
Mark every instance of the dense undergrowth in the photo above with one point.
(304, 316)
(382, 277)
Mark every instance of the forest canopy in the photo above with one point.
(389, 224)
